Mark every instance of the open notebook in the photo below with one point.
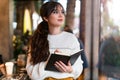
(57, 57)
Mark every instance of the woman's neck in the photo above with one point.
(55, 30)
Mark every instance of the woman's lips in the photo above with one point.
(60, 19)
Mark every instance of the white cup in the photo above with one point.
(9, 68)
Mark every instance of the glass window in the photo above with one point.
(109, 58)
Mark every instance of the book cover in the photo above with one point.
(57, 57)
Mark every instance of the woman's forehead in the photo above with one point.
(58, 7)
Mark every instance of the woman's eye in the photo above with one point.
(55, 12)
(63, 12)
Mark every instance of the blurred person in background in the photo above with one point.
(109, 57)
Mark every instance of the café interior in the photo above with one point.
(95, 22)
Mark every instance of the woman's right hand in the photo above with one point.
(57, 51)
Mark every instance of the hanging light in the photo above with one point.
(27, 22)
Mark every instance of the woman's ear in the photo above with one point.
(45, 19)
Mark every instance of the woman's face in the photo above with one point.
(57, 17)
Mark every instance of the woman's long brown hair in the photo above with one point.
(39, 44)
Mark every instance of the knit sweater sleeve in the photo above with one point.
(78, 65)
(34, 71)
(77, 68)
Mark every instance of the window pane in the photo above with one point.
(110, 38)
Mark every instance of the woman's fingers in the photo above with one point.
(58, 67)
(62, 67)
(57, 50)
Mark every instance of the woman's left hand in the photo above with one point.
(62, 67)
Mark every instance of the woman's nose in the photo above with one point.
(61, 14)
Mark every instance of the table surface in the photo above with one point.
(15, 77)
(19, 73)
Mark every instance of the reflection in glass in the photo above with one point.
(109, 58)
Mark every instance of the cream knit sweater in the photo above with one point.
(68, 44)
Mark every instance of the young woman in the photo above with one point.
(49, 38)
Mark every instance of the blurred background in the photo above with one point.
(95, 22)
